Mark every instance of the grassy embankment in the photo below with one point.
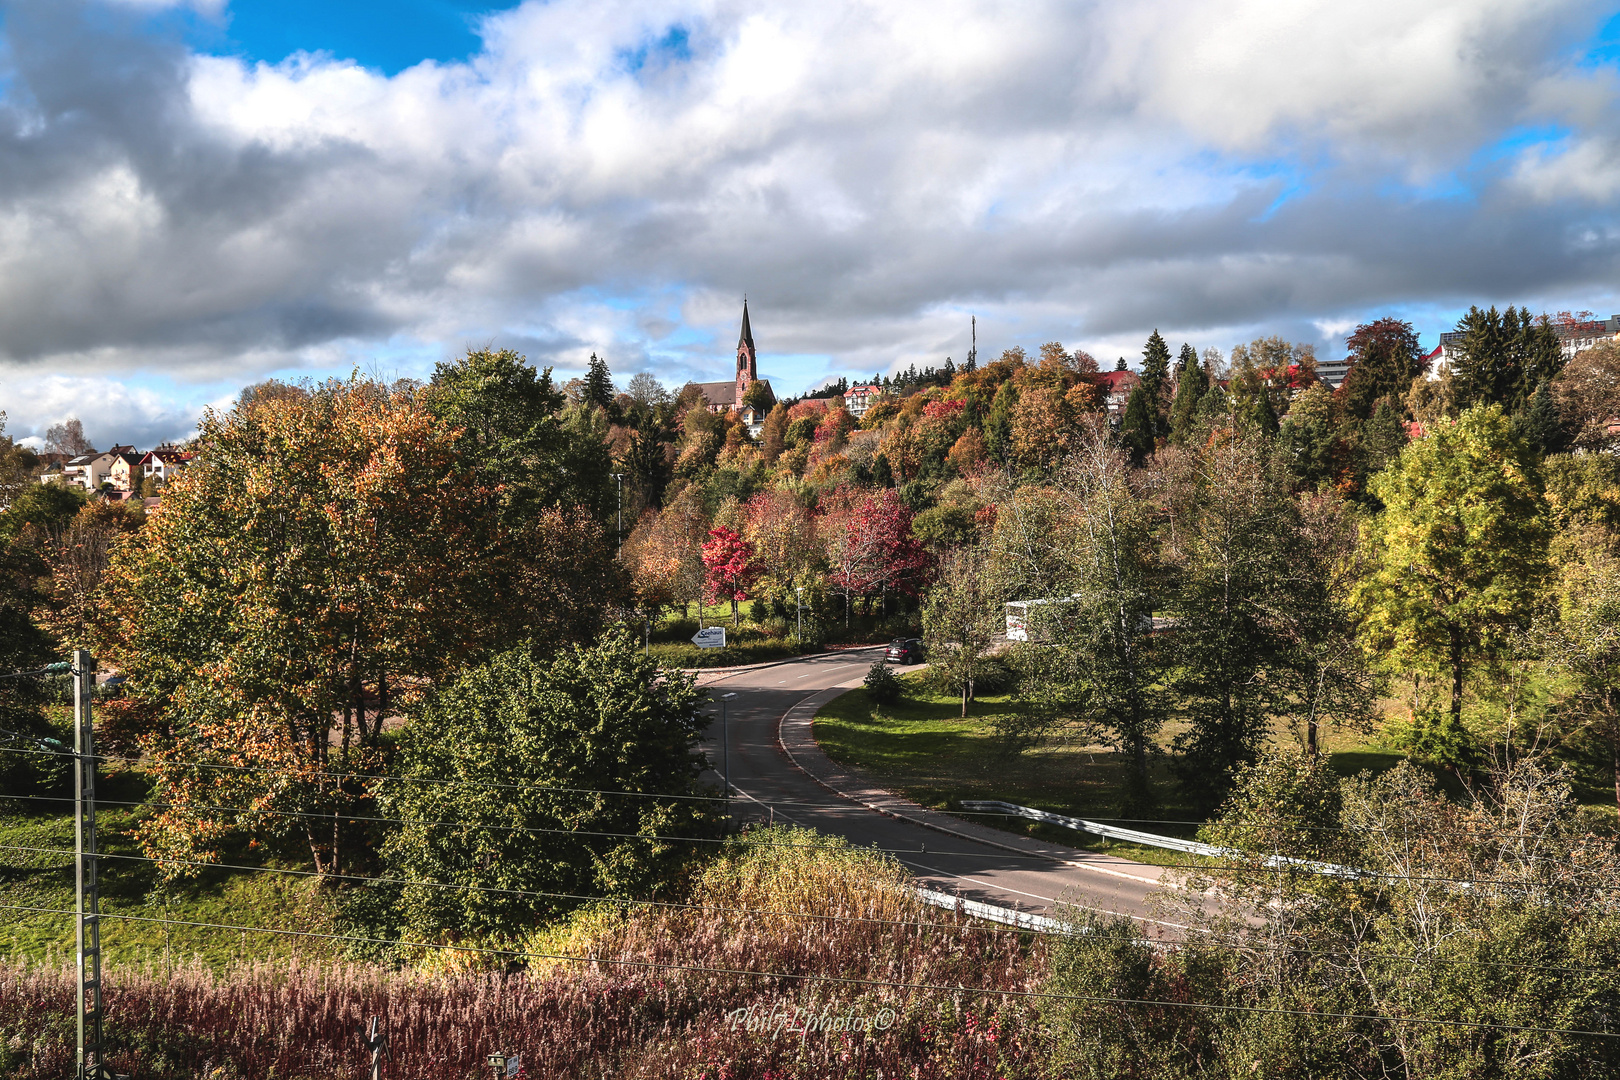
(922, 748)
(43, 878)
(660, 997)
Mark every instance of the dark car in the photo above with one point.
(905, 650)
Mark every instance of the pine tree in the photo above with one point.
(1156, 370)
(599, 383)
(1540, 425)
(1383, 440)
(1136, 430)
(1191, 383)
(1503, 358)
(998, 428)
(1121, 365)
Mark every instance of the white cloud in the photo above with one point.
(870, 172)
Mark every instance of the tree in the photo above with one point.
(320, 561)
(645, 389)
(1107, 626)
(998, 426)
(665, 554)
(1136, 429)
(1156, 373)
(1582, 640)
(1503, 357)
(1459, 554)
(1191, 384)
(1540, 425)
(870, 546)
(524, 757)
(1230, 530)
(67, 438)
(1383, 439)
(730, 567)
(1385, 358)
(961, 619)
(76, 556)
(598, 383)
(1306, 438)
(1587, 393)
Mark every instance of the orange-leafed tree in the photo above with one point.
(326, 556)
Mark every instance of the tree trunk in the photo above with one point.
(1456, 675)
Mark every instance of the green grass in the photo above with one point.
(128, 886)
(922, 748)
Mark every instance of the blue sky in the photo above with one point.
(387, 35)
(198, 194)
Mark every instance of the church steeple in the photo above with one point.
(747, 336)
(747, 359)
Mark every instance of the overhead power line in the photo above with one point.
(650, 965)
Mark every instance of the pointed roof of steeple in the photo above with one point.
(747, 337)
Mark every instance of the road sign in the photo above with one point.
(710, 637)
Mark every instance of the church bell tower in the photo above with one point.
(747, 363)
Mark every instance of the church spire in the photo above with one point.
(747, 337)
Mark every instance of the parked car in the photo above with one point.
(905, 650)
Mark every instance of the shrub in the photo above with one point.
(881, 684)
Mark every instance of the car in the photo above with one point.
(904, 650)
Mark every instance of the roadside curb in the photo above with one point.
(796, 739)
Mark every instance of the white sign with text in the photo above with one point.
(710, 637)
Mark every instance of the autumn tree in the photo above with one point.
(961, 618)
(1384, 358)
(67, 438)
(664, 554)
(1587, 392)
(783, 532)
(1460, 553)
(870, 546)
(730, 567)
(321, 560)
(76, 555)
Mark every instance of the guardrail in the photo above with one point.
(1147, 839)
(993, 912)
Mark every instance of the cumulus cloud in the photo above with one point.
(613, 176)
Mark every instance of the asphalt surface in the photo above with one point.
(804, 788)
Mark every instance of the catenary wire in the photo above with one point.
(897, 852)
(481, 784)
(631, 902)
(840, 979)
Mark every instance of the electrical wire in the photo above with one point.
(899, 853)
(838, 979)
(496, 785)
(728, 909)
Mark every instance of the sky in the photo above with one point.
(196, 195)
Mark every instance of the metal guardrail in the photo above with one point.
(993, 912)
(1147, 839)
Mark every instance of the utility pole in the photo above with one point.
(619, 476)
(86, 907)
(377, 1042)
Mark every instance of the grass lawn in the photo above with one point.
(923, 749)
(128, 886)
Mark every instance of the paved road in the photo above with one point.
(999, 868)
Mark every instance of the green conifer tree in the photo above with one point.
(1136, 430)
(599, 383)
(1191, 382)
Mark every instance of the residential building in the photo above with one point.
(1116, 389)
(125, 471)
(859, 398)
(164, 463)
(723, 397)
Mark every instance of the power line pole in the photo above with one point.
(86, 907)
(619, 476)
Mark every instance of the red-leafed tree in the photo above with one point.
(870, 547)
(730, 568)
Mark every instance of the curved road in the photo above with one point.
(807, 789)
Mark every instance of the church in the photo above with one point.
(722, 397)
